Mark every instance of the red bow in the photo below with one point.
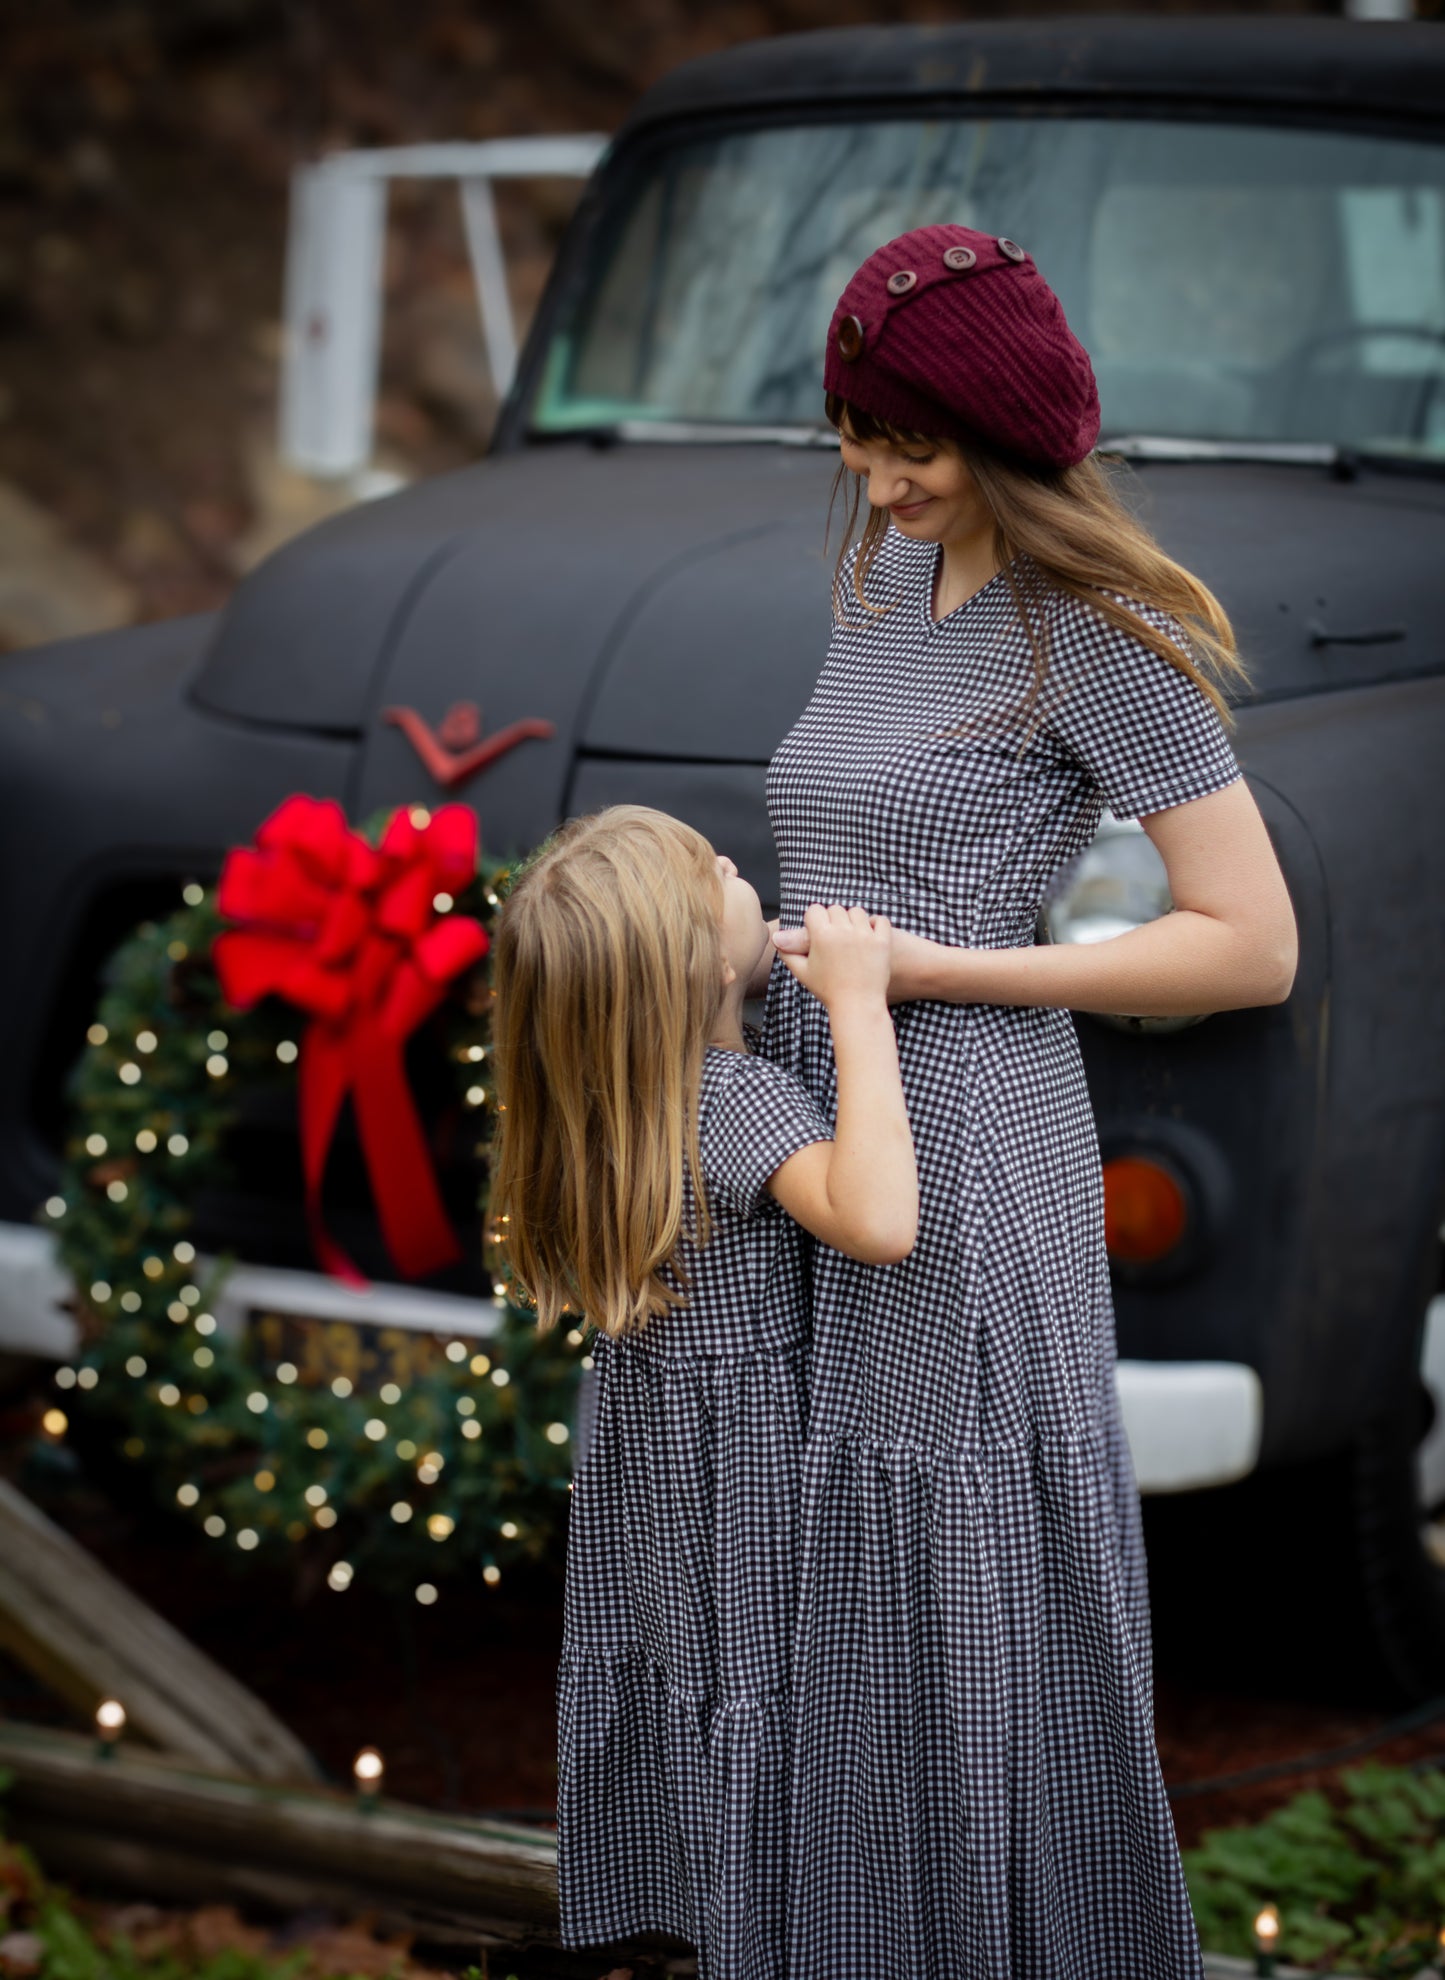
(351, 934)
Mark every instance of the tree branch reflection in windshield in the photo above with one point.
(1231, 282)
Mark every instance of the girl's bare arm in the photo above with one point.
(858, 1192)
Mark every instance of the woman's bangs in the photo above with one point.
(855, 424)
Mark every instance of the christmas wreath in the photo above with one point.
(319, 959)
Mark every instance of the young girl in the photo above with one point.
(658, 1179)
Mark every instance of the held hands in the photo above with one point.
(909, 956)
(844, 958)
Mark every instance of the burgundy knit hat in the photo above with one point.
(955, 334)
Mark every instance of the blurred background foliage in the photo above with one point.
(145, 152)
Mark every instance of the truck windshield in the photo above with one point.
(1232, 283)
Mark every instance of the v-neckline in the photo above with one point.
(935, 564)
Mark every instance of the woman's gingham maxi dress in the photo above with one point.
(674, 1707)
(977, 1794)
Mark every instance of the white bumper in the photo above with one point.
(1189, 1423)
(33, 1289)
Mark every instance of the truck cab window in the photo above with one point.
(710, 297)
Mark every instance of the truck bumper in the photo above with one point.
(1189, 1423)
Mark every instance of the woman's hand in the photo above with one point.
(914, 964)
(915, 972)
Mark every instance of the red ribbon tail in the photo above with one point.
(324, 1075)
(413, 1217)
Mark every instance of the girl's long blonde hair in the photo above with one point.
(608, 973)
(1073, 535)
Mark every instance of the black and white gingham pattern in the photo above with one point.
(674, 1694)
(976, 1793)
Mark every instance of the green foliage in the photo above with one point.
(73, 1952)
(1359, 1887)
(71, 1949)
(398, 1487)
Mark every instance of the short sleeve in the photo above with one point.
(761, 1117)
(1146, 734)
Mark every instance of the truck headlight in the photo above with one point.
(1117, 883)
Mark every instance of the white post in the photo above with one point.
(333, 295)
(332, 319)
(489, 270)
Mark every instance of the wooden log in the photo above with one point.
(87, 1636)
(132, 1866)
(484, 1871)
(151, 1825)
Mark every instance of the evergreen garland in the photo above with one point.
(464, 1464)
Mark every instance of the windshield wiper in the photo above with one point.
(1171, 447)
(691, 432)
(1127, 446)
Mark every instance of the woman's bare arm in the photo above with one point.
(1230, 943)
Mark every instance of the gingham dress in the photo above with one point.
(977, 1794)
(674, 1705)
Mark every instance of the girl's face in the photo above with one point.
(744, 932)
(926, 487)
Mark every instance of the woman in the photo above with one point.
(977, 1793)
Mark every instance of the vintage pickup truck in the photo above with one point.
(1245, 220)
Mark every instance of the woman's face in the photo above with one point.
(927, 488)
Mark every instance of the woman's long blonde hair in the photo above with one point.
(1072, 534)
(608, 973)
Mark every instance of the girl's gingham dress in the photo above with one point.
(977, 1794)
(674, 1690)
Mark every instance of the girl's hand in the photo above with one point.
(859, 1191)
(913, 961)
(847, 960)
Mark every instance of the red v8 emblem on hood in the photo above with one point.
(457, 750)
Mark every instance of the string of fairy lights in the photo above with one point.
(453, 1455)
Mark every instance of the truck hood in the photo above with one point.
(670, 601)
